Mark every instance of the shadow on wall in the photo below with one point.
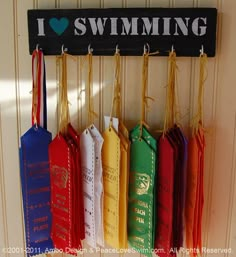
(16, 101)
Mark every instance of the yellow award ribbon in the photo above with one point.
(117, 146)
(111, 183)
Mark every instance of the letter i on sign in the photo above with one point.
(41, 27)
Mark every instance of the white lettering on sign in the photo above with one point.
(150, 25)
(182, 25)
(41, 27)
(128, 26)
(114, 26)
(197, 29)
(80, 26)
(97, 25)
(166, 21)
(163, 26)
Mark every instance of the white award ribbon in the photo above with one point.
(98, 185)
(87, 146)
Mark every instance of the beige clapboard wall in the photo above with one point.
(219, 224)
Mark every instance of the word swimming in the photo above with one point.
(123, 26)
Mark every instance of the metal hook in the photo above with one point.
(146, 48)
(202, 50)
(63, 50)
(172, 49)
(90, 50)
(37, 47)
(117, 49)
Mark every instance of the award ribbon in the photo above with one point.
(124, 180)
(66, 178)
(78, 202)
(141, 223)
(34, 166)
(88, 167)
(124, 155)
(98, 184)
(121, 150)
(91, 145)
(111, 183)
(168, 157)
(165, 196)
(172, 174)
(195, 170)
(141, 208)
(61, 166)
(114, 182)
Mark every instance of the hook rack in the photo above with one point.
(184, 30)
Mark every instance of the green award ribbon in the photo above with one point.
(141, 208)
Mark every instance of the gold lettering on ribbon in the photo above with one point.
(140, 220)
(41, 240)
(141, 182)
(59, 235)
(39, 190)
(60, 207)
(138, 245)
(60, 176)
(61, 228)
(38, 169)
(138, 239)
(109, 174)
(41, 219)
(140, 203)
(41, 227)
(139, 211)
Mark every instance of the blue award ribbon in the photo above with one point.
(35, 179)
(34, 171)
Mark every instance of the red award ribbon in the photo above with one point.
(61, 196)
(66, 177)
(78, 202)
(165, 184)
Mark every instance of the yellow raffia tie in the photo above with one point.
(63, 99)
(91, 113)
(64, 115)
(198, 119)
(170, 112)
(144, 98)
(117, 97)
(35, 93)
(116, 101)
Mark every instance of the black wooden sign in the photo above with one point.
(184, 29)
